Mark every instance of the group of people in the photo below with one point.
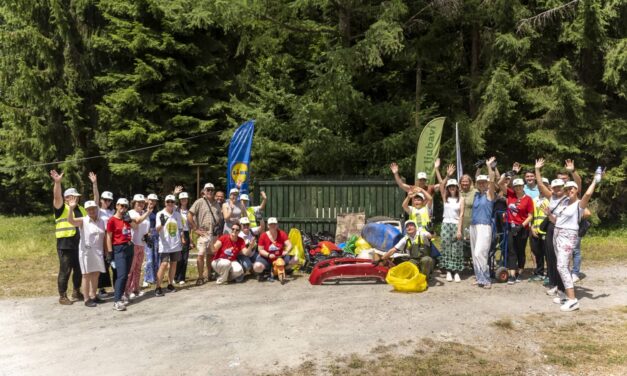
(97, 240)
(516, 206)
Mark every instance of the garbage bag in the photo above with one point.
(298, 250)
(361, 245)
(406, 277)
(350, 245)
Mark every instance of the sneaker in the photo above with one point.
(63, 299)
(90, 303)
(570, 305)
(181, 283)
(511, 280)
(559, 300)
(76, 296)
(102, 294)
(457, 278)
(158, 291)
(132, 296)
(97, 300)
(118, 306)
(552, 291)
(145, 284)
(535, 278)
(575, 278)
(449, 277)
(546, 281)
(125, 300)
(170, 288)
(140, 293)
(518, 279)
(260, 278)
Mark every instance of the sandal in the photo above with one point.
(487, 287)
(200, 281)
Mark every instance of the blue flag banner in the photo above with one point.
(458, 152)
(238, 165)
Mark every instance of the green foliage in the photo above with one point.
(337, 87)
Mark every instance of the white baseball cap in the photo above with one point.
(209, 186)
(233, 190)
(71, 192)
(170, 198)
(451, 182)
(107, 195)
(272, 221)
(153, 196)
(571, 184)
(482, 178)
(183, 195)
(139, 197)
(422, 196)
(517, 182)
(545, 180)
(410, 222)
(244, 221)
(122, 201)
(421, 175)
(557, 183)
(244, 196)
(90, 204)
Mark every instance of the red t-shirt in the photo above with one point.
(229, 249)
(121, 230)
(276, 246)
(518, 209)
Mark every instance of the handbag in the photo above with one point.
(544, 225)
(218, 226)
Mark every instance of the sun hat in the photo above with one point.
(557, 183)
(272, 221)
(122, 201)
(107, 195)
(233, 191)
(244, 197)
(90, 204)
(139, 197)
(153, 196)
(451, 182)
(244, 221)
(545, 180)
(209, 186)
(421, 175)
(71, 192)
(517, 182)
(170, 198)
(482, 178)
(410, 222)
(183, 195)
(571, 184)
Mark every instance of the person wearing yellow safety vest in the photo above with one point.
(252, 212)
(537, 238)
(412, 246)
(68, 236)
(419, 211)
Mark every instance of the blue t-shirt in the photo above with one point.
(532, 192)
(482, 210)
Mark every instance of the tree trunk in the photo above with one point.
(344, 13)
(418, 91)
(474, 69)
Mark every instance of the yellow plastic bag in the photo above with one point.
(406, 278)
(361, 245)
(298, 250)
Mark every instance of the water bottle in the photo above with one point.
(597, 175)
(113, 264)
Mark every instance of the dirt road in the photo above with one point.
(260, 327)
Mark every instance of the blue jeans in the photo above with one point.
(577, 258)
(152, 260)
(247, 261)
(123, 257)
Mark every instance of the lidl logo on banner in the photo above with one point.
(239, 172)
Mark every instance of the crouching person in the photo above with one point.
(225, 260)
(273, 244)
(413, 247)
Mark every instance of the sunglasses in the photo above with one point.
(169, 202)
(235, 228)
(246, 225)
(107, 199)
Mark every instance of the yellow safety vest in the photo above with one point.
(538, 214)
(250, 212)
(63, 228)
(420, 216)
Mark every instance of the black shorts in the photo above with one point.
(170, 257)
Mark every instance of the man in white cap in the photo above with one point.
(421, 181)
(253, 212)
(204, 219)
(412, 247)
(68, 237)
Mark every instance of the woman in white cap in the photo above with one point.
(519, 215)
(226, 258)
(171, 240)
(90, 251)
(181, 266)
(232, 210)
(481, 226)
(120, 245)
(253, 212)
(565, 239)
(152, 244)
(452, 245)
(273, 244)
(139, 215)
(105, 212)
(537, 238)
(557, 198)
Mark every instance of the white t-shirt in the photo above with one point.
(105, 214)
(184, 218)
(92, 235)
(170, 234)
(569, 216)
(251, 235)
(137, 234)
(451, 210)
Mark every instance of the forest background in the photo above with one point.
(338, 88)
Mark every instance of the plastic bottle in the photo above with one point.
(597, 175)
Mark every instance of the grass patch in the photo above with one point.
(504, 323)
(28, 257)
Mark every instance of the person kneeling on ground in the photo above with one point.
(249, 235)
(273, 244)
(225, 260)
(413, 247)
(171, 240)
